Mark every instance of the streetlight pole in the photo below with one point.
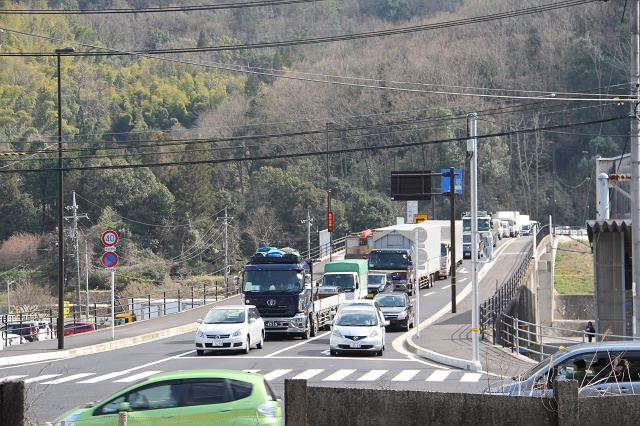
(9, 296)
(60, 326)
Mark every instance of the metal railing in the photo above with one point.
(540, 341)
(143, 307)
(493, 308)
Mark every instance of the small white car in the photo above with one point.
(358, 329)
(230, 328)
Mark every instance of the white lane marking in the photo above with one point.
(462, 270)
(12, 377)
(275, 374)
(471, 377)
(68, 378)
(429, 294)
(40, 378)
(372, 375)
(309, 374)
(295, 346)
(461, 280)
(405, 376)
(446, 286)
(105, 377)
(338, 375)
(438, 376)
(137, 376)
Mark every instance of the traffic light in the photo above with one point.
(330, 221)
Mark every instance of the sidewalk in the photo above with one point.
(446, 337)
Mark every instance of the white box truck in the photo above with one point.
(394, 254)
(513, 217)
(446, 246)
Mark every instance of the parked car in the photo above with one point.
(77, 327)
(358, 329)
(377, 283)
(12, 339)
(188, 398)
(231, 327)
(601, 368)
(397, 309)
(27, 329)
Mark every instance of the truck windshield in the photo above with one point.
(483, 224)
(273, 281)
(339, 280)
(379, 260)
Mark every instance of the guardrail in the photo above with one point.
(143, 307)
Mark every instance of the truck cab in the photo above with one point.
(397, 265)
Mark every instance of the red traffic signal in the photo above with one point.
(330, 221)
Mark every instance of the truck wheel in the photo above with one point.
(307, 332)
(314, 327)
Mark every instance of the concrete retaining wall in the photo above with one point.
(325, 406)
(573, 307)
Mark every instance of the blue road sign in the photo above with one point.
(457, 181)
(110, 259)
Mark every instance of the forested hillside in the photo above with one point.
(174, 112)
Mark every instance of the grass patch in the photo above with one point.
(573, 272)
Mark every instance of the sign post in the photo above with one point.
(110, 261)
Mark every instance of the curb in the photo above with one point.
(450, 361)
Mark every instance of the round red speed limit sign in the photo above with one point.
(109, 238)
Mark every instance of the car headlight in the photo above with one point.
(402, 315)
(375, 333)
(200, 333)
(237, 333)
(336, 332)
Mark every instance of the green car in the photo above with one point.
(189, 397)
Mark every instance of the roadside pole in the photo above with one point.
(110, 261)
(416, 285)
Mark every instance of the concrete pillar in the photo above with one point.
(295, 396)
(566, 396)
(12, 402)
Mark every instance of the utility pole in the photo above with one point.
(329, 212)
(309, 221)
(226, 219)
(74, 236)
(86, 273)
(635, 160)
(472, 150)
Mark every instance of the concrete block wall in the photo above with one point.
(325, 406)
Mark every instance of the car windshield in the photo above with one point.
(390, 260)
(224, 316)
(357, 319)
(273, 281)
(391, 301)
(376, 279)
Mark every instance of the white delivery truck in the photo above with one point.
(350, 275)
(394, 254)
(513, 217)
(446, 246)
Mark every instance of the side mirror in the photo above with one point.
(199, 321)
(252, 320)
(386, 323)
(329, 323)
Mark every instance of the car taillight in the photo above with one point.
(267, 408)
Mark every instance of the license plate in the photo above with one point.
(271, 324)
(216, 343)
(356, 345)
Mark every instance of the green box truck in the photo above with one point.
(350, 274)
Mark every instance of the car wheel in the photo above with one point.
(379, 353)
(260, 344)
(408, 326)
(248, 347)
(199, 352)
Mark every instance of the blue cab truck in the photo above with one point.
(282, 289)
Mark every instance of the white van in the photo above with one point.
(601, 369)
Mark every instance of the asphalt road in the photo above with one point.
(56, 386)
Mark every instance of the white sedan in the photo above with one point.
(358, 329)
(235, 328)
